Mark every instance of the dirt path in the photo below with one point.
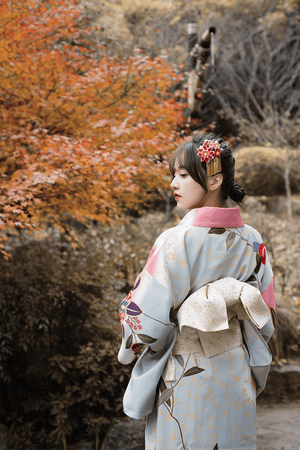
(278, 426)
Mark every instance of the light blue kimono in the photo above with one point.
(198, 389)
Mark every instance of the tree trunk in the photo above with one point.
(192, 39)
(64, 441)
(199, 55)
(167, 199)
(287, 183)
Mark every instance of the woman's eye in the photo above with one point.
(183, 175)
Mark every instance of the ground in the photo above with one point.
(278, 426)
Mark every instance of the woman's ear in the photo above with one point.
(214, 182)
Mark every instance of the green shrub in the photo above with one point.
(260, 170)
(60, 380)
(59, 335)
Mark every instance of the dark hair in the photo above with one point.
(187, 158)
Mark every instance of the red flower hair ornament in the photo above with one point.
(210, 152)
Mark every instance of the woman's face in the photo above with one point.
(188, 193)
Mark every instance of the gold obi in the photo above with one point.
(191, 341)
(187, 342)
(208, 320)
(209, 343)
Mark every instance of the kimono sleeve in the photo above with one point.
(266, 280)
(145, 312)
(266, 287)
(145, 319)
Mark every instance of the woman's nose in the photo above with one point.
(174, 183)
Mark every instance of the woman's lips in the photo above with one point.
(177, 196)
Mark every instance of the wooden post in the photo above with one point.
(192, 38)
(287, 183)
(199, 55)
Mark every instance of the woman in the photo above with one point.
(202, 306)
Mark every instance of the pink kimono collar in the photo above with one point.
(214, 217)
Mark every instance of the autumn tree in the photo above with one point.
(80, 134)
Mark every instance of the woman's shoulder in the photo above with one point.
(252, 232)
(179, 233)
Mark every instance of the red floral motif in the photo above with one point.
(209, 150)
(136, 347)
(134, 323)
(262, 252)
(122, 316)
(123, 308)
(129, 312)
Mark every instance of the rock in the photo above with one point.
(2, 443)
(126, 435)
(283, 384)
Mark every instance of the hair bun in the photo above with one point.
(237, 193)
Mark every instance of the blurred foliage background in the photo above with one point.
(59, 375)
